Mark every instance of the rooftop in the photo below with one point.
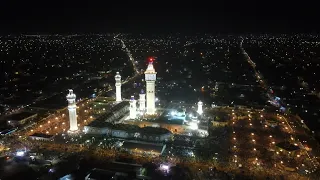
(154, 130)
(126, 127)
(100, 174)
(99, 124)
(47, 136)
(112, 110)
(148, 147)
(129, 127)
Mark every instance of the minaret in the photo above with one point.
(118, 87)
(150, 77)
(133, 108)
(71, 98)
(142, 101)
(200, 111)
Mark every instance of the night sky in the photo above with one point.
(158, 16)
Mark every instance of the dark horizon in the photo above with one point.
(250, 17)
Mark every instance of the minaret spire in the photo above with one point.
(118, 87)
(150, 78)
(71, 98)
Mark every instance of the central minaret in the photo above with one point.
(71, 97)
(118, 87)
(150, 77)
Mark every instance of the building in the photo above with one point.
(41, 137)
(5, 131)
(127, 131)
(20, 118)
(101, 125)
(143, 147)
(116, 113)
(156, 134)
(72, 107)
(97, 128)
(176, 127)
(118, 87)
(150, 78)
(118, 171)
(123, 130)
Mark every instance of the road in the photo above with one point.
(128, 53)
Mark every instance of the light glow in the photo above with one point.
(20, 153)
(193, 126)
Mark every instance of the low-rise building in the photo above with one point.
(143, 147)
(41, 137)
(127, 131)
(117, 170)
(155, 134)
(97, 127)
(172, 128)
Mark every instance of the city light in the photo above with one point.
(193, 126)
(20, 153)
(264, 139)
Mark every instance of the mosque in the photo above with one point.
(144, 107)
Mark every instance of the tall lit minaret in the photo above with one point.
(118, 87)
(71, 98)
(150, 77)
(142, 101)
(133, 108)
(200, 111)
